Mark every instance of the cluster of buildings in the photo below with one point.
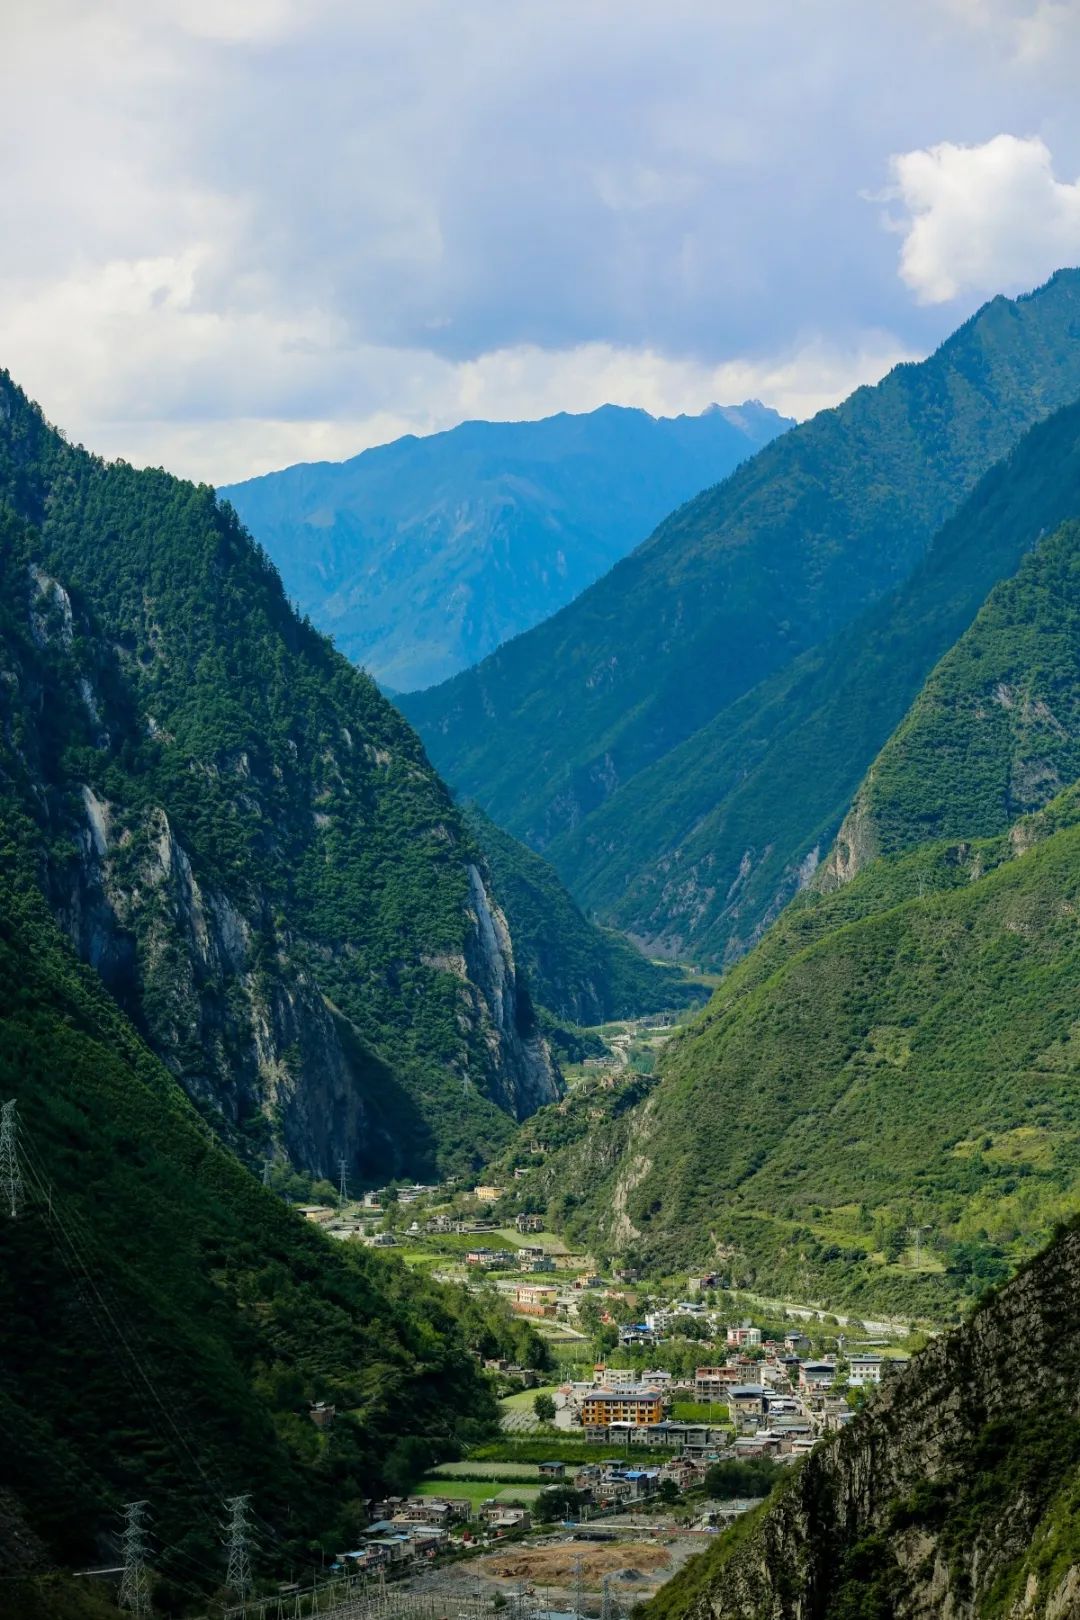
(776, 1400)
(405, 1531)
(529, 1257)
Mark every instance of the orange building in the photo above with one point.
(622, 1406)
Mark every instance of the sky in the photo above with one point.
(242, 233)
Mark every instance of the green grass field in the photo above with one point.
(476, 1490)
(523, 1402)
(508, 1472)
(699, 1411)
(512, 1238)
(554, 1448)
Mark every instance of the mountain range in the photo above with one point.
(243, 921)
(643, 737)
(422, 556)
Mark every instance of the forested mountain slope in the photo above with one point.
(573, 968)
(994, 732)
(167, 1323)
(899, 1052)
(239, 832)
(420, 557)
(956, 1493)
(734, 586)
(915, 1066)
(745, 809)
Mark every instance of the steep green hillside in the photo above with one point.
(732, 588)
(996, 729)
(240, 833)
(956, 1493)
(573, 968)
(898, 1053)
(860, 1075)
(420, 557)
(167, 1323)
(741, 813)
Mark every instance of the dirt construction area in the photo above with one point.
(564, 1572)
(558, 1566)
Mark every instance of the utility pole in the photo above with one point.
(343, 1184)
(11, 1187)
(238, 1573)
(134, 1582)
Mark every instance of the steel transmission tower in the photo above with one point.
(343, 1184)
(134, 1582)
(238, 1573)
(11, 1187)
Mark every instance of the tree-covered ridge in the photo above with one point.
(732, 588)
(898, 1052)
(740, 815)
(573, 968)
(995, 732)
(904, 1059)
(240, 832)
(956, 1492)
(167, 1323)
(421, 556)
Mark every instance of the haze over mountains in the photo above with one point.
(642, 681)
(422, 556)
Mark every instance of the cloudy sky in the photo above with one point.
(239, 233)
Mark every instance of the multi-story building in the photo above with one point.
(744, 1337)
(633, 1405)
(864, 1369)
(713, 1383)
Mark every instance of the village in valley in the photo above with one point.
(648, 1414)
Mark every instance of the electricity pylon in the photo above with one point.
(238, 1572)
(11, 1187)
(134, 1591)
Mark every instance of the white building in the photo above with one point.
(864, 1370)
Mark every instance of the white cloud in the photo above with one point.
(983, 218)
(245, 231)
(132, 360)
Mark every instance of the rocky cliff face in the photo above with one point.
(955, 1495)
(242, 836)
